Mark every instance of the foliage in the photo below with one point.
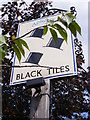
(68, 93)
(68, 20)
(13, 19)
(12, 14)
(71, 94)
(16, 99)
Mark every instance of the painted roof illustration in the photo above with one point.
(52, 43)
(34, 57)
(37, 33)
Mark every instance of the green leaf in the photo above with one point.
(77, 27)
(19, 45)
(5, 48)
(24, 43)
(1, 50)
(62, 31)
(45, 30)
(68, 19)
(70, 15)
(50, 22)
(54, 34)
(73, 29)
(63, 22)
(2, 54)
(16, 50)
(63, 14)
(3, 39)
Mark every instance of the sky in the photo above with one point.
(82, 18)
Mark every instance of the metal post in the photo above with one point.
(40, 103)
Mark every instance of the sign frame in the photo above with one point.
(48, 77)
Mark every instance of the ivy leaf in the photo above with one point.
(62, 31)
(19, 45)
(54, 34)
(24, 43)
(73, 29)
(45, 30)
(16, 50)
(77, 27)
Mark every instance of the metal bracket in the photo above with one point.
(38, 82)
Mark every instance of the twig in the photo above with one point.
(21, 66)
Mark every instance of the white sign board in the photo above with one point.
(46, 58)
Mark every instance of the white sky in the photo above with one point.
(82, 18)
